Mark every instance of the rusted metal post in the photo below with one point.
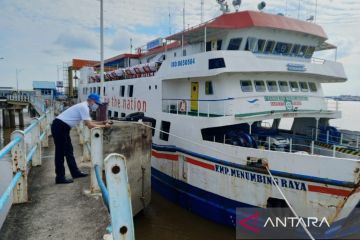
(97, 156)
(86, 150)
(44, 126)
(35, 141)
(80, 132)
(18, 154)
(119, 197)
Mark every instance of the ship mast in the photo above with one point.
(101, 49)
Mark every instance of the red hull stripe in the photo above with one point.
(311, 188)
(200, 164)
(327, 190)
(172, 157)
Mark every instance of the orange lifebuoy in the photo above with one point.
(182, 106)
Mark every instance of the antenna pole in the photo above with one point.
(299, 10)
(202, 11)
(131, 45)
(101, 48)
(315, 11)
(182, 37)
(169, 22)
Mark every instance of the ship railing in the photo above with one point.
(25, 152)
(115, 193)
(297, 144)
(341, 139)
(333, 104)
(203, 108)
(226, 107)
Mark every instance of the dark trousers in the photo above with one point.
(63, 148)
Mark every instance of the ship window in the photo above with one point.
(312, 87)
(216, 63)
(116, 114)
(130, 90)
(260, 86)
(109, 113)
(272, 86)
(294, 86)
(246, 86)
(304, 87)
(284, 87)
(219, 44)
(153, 124)
(184, 52)
(104, 91)
(302, 51)
(98, 90)
(208, 46)
(234, 44)
(295, 50)
(260, 45)
(309, 52)
(174, 54)
(122, 91)
(269, 46)
(209, 88)
(123, 115)
(250, 44)
(165, 129)
(282, 48)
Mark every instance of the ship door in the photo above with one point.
(194, 96)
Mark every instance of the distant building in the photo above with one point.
(46, 88)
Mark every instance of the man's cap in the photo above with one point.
(95, 97)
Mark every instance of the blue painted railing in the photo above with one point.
(104, 191)
(38, 132)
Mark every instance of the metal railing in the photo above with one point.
(297, 144)
(18, 98)
(116, 192)
(25, 148)
(204, 108)
(234, 106)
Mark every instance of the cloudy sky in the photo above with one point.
(38, 36)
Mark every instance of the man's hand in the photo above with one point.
(107, 125)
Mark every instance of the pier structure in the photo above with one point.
(119, 161)
(12, 106)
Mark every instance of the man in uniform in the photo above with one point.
(60, 130)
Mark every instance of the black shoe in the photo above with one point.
(63, 180)
(80, 175)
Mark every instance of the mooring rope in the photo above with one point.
(224, 153)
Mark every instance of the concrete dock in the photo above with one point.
(57, 211)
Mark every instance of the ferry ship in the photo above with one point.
(221, 94)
